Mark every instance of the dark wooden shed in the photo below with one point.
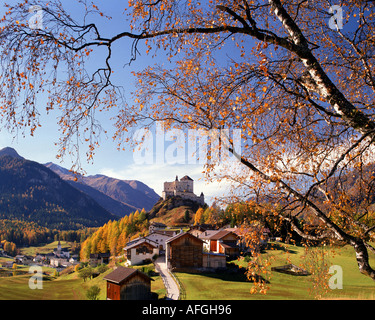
(184, 251)
(128, 284)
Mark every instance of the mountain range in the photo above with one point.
(54, 197)
(132, 194)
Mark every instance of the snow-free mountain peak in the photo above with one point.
(8, 151)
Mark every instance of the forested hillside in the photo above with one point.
(114, 235)
(31, 192)
(24, 233)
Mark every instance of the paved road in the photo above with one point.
(171, 286)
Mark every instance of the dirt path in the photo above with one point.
(170, 284)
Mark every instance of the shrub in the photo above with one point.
(93, 293)
(102, 268)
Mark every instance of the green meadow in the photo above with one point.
(60, 287)
(210, 286)
(227, 286)
(49, 247)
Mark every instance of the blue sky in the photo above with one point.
(108, 160)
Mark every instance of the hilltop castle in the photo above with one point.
(183, 188)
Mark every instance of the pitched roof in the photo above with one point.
(139, 242)
(157, 224)
(121, 274)
(186, 178)
(181, 234)
(207, 234)
(197, 227)
(168, 233)
(220, 234)
(100, 255)
(228, 245)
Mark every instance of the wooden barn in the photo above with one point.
(128, 284)
(184, 251)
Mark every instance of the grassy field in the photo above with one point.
(208, 286)
(63, 287)
(32, 251)
(282, 286)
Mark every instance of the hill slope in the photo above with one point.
(29, 191)
(171, 211)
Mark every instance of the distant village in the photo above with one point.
(59, 258)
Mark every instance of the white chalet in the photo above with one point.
(160, 236)
(140, 250)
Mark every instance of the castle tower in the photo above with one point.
(187, 184)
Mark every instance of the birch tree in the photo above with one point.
(296, 79)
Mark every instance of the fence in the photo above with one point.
(182, 295)
(166, 284)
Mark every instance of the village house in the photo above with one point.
(205, 236)
(57, 262)
(145, 248)
(141, 250)
(160, 237)
(230, 241)
(73, 260)
(225, 242)
(156, 226)
(58, 258)
(39, 258)
(259, 237)
(23, 259)
(48, 257)
(128, 284)
(99, 258)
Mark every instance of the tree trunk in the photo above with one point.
(361, 254)
(353, 117)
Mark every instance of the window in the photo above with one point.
(143, 250)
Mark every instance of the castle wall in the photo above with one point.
(183, 188)
(169, 186)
